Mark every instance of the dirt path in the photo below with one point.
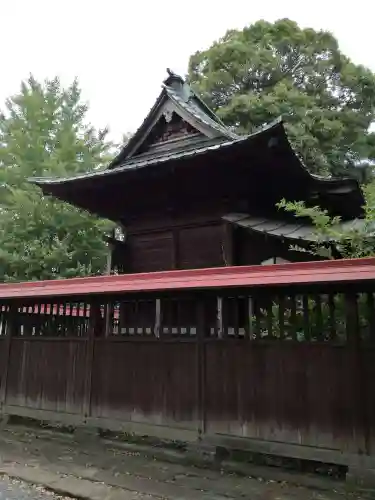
(95, 471)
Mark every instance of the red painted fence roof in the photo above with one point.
(339, 271)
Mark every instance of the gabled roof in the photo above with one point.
(207, 137)
(178, 97)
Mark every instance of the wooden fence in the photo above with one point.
(275, 368)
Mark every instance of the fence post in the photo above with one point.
(6, 357)
(94, 314)
(353, 335)
(201, 364)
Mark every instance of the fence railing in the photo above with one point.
(270, 358)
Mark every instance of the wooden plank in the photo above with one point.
(201, 365)
(157, 317)
(371, 315)
(228, 244)
(219, 318)
(281, 315)
(13, 309)
(90, 345)
(332, 316)
(306, 318)
(250, 318)
(357, 370)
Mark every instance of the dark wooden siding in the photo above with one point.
(153, 382)
(200, 247)
(282, 392)
(47, 375)
(290, 365)
(178, 248)
(150, 252)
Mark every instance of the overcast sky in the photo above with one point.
(119, 50)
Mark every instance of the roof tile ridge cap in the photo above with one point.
(201, 101)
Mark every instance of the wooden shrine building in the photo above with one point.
(275, 360)
(191, 193)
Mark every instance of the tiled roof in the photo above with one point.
(146, 160)
(295, 230)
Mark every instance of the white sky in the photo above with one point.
(119, 50)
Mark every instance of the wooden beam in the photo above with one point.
(228, 244)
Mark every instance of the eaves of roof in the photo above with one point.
(211, 145)
(296, 230)
(140, 161)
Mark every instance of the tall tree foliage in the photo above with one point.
(266, 70)
(43, 132)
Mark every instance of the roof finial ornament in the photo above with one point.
(173, 78)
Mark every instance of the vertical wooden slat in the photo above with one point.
(319, 317)
(228, 246)
(357, 370)
(219, 318)
(10, 330)
(306, 318)
(2, 321)
(250, 314)
(371, 316)
(293, 317)
(175, 249)
(37, 322)
(90, 345)
(108, 308)
(57, 319)
(157, 318)
(258, 321)
(269, 319)
(281, 315)
(122, 317)
(332, 316)
(225, 316)
(201, 363)
(236, 325)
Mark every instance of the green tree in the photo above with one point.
(266, 70)
(43, 132)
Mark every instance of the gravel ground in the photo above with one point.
(12, 489)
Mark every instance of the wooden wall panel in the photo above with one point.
(150, 252)
(297, 394)
(47, 374)
(145, 382)
(200, 247)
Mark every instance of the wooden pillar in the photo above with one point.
(175, 250)
(108, 269)
(228, 244)
(95, 314)
(107, 307)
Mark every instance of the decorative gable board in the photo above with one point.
(169, 127)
